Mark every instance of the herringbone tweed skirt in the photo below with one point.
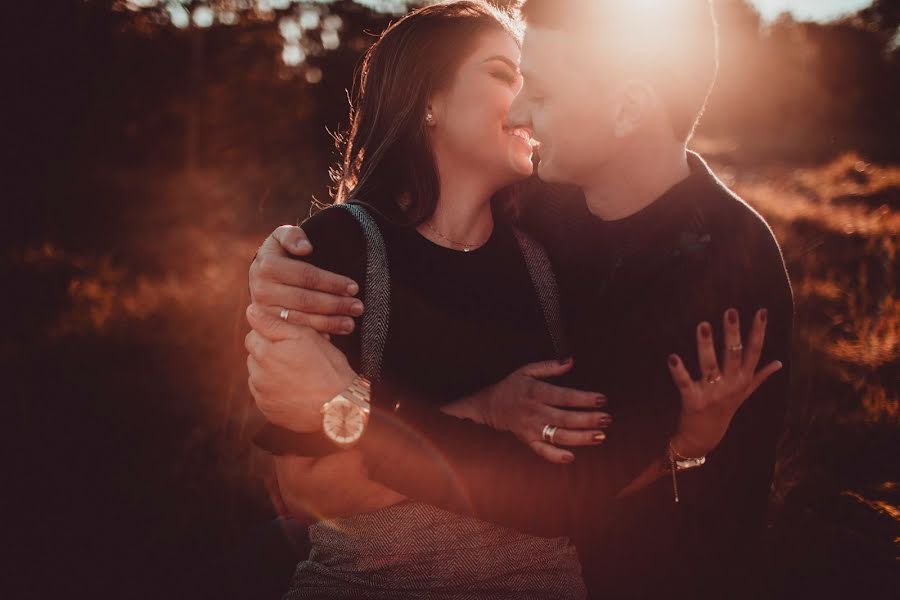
(414, 550)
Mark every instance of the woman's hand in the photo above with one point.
(709, 404)
(524, 405)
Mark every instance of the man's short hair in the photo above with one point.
(673, 44)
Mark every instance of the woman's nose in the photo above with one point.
(518, 114)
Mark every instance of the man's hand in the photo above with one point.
(332, 486)
(315, 298)
(293, 371)
(523, 404)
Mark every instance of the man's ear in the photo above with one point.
(636, 106)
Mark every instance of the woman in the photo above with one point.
(429, 158)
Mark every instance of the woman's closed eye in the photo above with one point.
(506, 76)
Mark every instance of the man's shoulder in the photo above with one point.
(742, 243)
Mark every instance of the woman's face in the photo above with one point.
(469, 129)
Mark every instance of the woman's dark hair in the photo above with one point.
(386, 160)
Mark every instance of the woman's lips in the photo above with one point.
(524, 134)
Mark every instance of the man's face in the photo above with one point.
(562, 103)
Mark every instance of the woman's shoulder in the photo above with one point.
(338, 240)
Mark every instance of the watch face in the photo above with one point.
(344, 421)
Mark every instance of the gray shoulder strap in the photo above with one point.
(377, 294)
(544, 282)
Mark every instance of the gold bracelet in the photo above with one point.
(677, 462)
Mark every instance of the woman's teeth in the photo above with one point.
(524, 134)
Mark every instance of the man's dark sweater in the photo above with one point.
(633, 292)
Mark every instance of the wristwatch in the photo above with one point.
(344, 417)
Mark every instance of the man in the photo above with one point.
(651, 245)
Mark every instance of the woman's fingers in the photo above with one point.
(551, 452)
(680, 375)
(575, 419)
(734, 350)
(554, 395)
(571, 437)
(709, 364)
(547, 368)
(760, 377)
(755, 344)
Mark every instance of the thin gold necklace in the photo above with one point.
(466, 247)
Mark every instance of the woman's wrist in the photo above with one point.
(684, 447)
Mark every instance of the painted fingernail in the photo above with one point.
(705, 330)
(764, 315)
(353, 289)
(731, 315)
(673, 360)
(599, 436)
(356, 309)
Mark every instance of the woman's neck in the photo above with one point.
(462, 217)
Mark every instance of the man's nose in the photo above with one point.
(518, 114)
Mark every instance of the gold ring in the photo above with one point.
(714, 377)
(548, 433)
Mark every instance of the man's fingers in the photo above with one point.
(309, 301)
(679, 373)
(272, 327)
(253, 391)
(571, 437)
(256, 345)
(293, 240)
(576, 419)
(706, 351)
(547, 368)
(301, 274)
(551, 452)
(760, 377)
(755, 343)
(733, 349)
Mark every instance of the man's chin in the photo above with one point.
(547, 173)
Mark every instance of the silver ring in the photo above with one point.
(284, 314)
(736, 348)
(548, 433)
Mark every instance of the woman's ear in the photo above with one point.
(637, 102)
(434, 110)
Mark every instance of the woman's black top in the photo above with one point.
(459, 321)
